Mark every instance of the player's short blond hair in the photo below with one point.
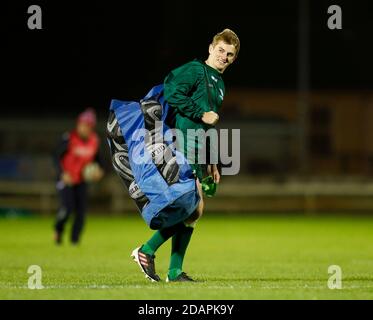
(229, 37)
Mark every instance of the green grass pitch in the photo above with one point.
(233, 257)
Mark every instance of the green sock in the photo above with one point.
(159, 238)
(180, 242)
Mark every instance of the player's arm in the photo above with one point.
(59, 152)
(212, 170)
(177, 89)
(213, 156)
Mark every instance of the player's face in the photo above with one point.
(221, 55)
(84, 130)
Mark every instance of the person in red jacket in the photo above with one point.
(77, 149)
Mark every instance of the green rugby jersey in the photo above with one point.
(185, 90)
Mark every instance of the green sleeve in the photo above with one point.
(178, 86)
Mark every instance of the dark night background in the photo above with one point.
(90, 52)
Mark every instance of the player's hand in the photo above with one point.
(66, 178)
(212, 170)
(210, 117)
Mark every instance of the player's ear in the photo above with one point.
(211, 48)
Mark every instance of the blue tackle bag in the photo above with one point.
(156, 175)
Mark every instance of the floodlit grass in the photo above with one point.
(232, 257)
